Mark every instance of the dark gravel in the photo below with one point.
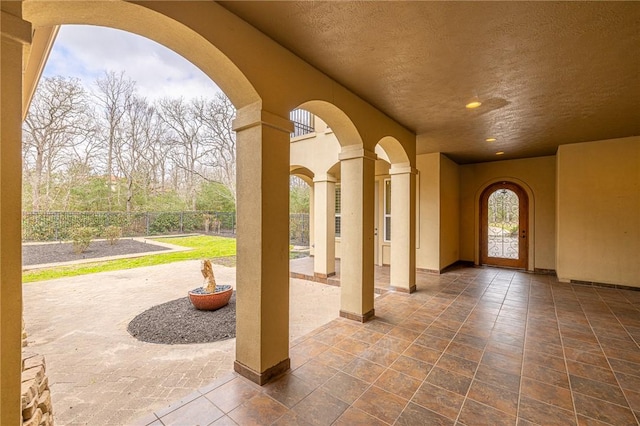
(35, 254)
(178, 322)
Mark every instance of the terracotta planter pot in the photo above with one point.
(211, 301)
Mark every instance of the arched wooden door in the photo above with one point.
(504, 238)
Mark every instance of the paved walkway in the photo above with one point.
(100, 375)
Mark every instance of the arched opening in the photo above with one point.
(504, 233)
(395, 214)
(187, 42)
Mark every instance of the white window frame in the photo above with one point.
(386, 232)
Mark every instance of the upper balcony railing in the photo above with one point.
(302, 122)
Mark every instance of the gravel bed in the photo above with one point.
(36, 254)
(178, 322)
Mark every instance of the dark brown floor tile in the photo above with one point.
(353, 416)
(629, 356)
(378, 326)
(442, 333)
(633, 396)
(545, 347)
(597, 389)
(503, 348)
(289, 390)
(494, 396)
(314, 372)
(415, 415)
(291, 419)
(525, 422)
(199, 411)
(465, 339)
(544, 414)
(591, 372)
(448, 380)
(603, 411)
(258, 410)
(457, 365)
(397, 383)
(627, 381)
(403, 333)
(329, 337)
(497, 377)
(544, 392)
(432, 342)
(472, 411)
(335, 358)
(320, 408)
(392, 343)
(621, 344)
(507, 338)
(545, 375)
(463, 351)
(380, 355)
(345, 387)
(587, 356)
(232, 394)
(502, 362)
(439, 400)
(381, 404)
(625, 367)
(545, 360)
(353, 346)
(423, 354)
(363, 369)
(367, 336)
(412, 367)
(588, 421)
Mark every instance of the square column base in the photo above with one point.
(410, 290)
(357, 317)
(265, 376)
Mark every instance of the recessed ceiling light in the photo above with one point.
(490, 139)
(473, 103)
(499, 152)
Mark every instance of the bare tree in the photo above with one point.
(189, 153)
(217, 116)
(132, 151)
(114, 94)
(59, 122)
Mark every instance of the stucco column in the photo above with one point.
(312, 221)
(16, 33)
(324, 263)
(357, 233)
(262, 280)
(403, 228)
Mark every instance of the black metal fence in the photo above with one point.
(56, 226)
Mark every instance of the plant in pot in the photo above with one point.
(210, 296)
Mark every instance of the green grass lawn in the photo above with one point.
(204, 247)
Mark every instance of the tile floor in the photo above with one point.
(473, 346)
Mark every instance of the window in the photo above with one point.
(338, 205)
(387, 210)
(302, 122)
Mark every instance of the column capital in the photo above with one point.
(402, 169)
(253, 115)
(324, 178)
(15, 28)
(356, 151)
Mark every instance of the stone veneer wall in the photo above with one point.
(36, 397)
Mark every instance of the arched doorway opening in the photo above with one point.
(504, 208)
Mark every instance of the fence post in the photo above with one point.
(147, 222)
(181, 222)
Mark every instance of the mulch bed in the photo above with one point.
(178, 322)
(36, 254)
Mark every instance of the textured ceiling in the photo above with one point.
(547, 73)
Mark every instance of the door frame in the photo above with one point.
(525, 228)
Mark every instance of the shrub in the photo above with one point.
(81, 237)
(112, 233)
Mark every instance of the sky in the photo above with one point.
(86, 52)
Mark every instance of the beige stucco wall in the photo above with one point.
(449, 212)
(538, 177)
(428, 251)
(599, 212)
